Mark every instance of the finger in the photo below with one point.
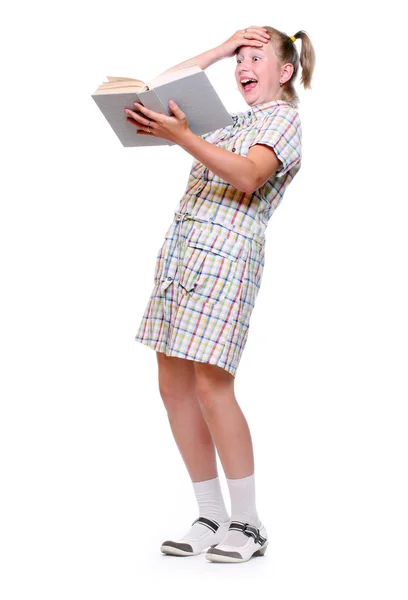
(133, 122)
(258, 43)
(142, 131)
(254, 29)
(177, 112)
(136, 117)
(150, 114)
(261, 30)
(147, 130)
(259, 33)
(253, 35)
(253, 43)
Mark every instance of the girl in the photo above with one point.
(208, 274)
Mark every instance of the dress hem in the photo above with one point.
(156, 347)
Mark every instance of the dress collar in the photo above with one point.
(265, 108)
(258, 111)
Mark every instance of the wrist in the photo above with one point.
(219, 53)
(187, 140)
(208, 58)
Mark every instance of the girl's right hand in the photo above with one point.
(254, 36)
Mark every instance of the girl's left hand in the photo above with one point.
(154, 124)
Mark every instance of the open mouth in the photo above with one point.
(249, 84)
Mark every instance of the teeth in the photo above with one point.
(248, 80)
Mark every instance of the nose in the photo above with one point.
(242, 66)
(243, 71)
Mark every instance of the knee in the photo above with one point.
(175, 397)
(176, 380)
(214, 386)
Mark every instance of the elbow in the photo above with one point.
(249, 186)
(253, 184)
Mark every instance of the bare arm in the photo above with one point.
(246, 173)
(255, 37)
(204, 60)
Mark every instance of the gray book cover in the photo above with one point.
(194, 94)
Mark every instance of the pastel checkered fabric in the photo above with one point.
(209, 267)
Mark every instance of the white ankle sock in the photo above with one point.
(210, 504)
(243, 508)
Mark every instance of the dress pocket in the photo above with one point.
(209, 264)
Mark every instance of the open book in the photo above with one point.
(186, 84)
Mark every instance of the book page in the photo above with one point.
(111, 78)
(121, 84)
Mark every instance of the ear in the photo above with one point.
(287, 72)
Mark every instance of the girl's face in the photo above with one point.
(262, 65)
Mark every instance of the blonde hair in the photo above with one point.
(286, 52)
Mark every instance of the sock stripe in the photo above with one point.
(213, 525)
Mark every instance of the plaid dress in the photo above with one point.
(209, 267)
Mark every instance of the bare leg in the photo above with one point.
(230, 432)
(178, 389)
(225, 419)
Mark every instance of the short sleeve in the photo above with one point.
(206, 135)
(282, 131)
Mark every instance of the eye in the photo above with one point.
(239, 60)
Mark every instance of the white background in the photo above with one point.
(91, 476)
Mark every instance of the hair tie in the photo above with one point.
(292, 37)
